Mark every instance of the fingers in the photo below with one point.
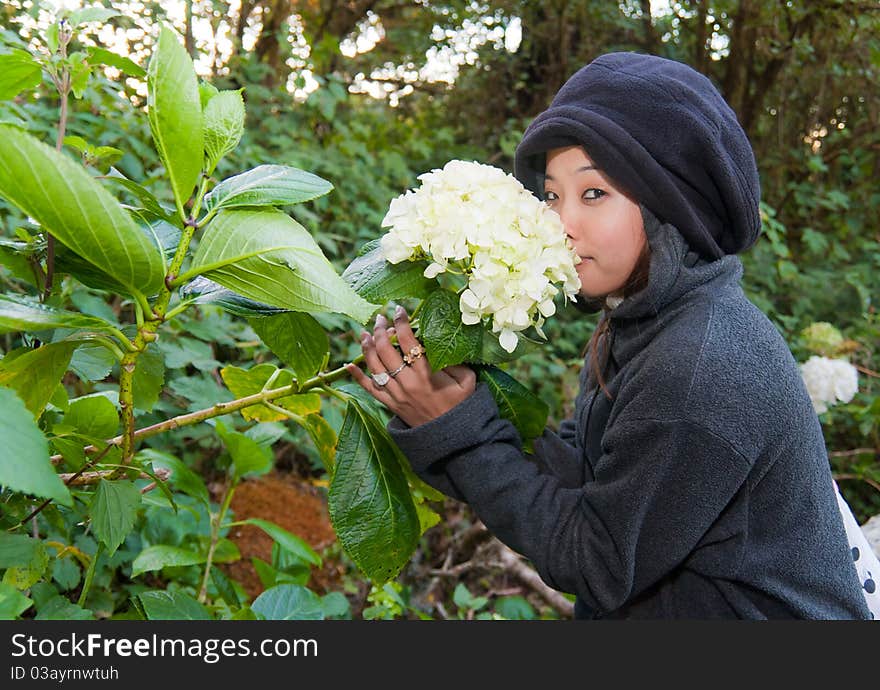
(368, 384)
(408, 340)
(387, 354)
(461, 373)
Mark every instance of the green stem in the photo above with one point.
(216, 522)
(90, 575)
(223, 408)
(126, 404)
(178, 309)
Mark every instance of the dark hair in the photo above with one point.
(636, 282)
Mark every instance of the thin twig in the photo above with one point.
(859, 477)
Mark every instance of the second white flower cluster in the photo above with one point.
(829, 381)
(477, 220)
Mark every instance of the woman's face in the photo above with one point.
(604, 225)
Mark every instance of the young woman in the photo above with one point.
(693, 480)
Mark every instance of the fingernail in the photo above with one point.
(399, 311)
(381, 320)
(391, 331)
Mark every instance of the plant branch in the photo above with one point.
(80, 479)
(226, 407)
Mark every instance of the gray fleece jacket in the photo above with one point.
(701, 489)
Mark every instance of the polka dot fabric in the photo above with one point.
(865, 560)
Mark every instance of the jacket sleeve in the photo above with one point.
(658, 486)
(553, 454)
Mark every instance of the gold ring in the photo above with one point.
(414, 353)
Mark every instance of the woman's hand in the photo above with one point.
(414, 393)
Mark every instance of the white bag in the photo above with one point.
(865, 560)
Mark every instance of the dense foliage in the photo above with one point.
(123, 542)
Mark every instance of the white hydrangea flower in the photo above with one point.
(477, 220)
(829, 381)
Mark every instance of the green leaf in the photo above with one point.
(335, 605)
(209, 292)
(172, 606)
(18, 71)
(93, 416)
(163, 556)
(324, 439)
(289, 602)
(370, 505)
(267, 185)
(113, 511)
(376, 280)
(182, 477)
(21, 314)
(92, 362)
(267, 256)
(62, 197)
(175, 112)
(248, 456)
(286, 540)
(101, 56)
(516, 403)
(224, 587)
(60, 609)
(91, 14)
(142, 194)
(149, 376)
(447, 340)
(35, 374)
(26, 575)
(207, 91)
(224, 125)
(16, 549)
(12, 602)
(297, 339)
(245, 382)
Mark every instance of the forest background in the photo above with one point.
(368, 94)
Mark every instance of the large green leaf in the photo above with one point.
(62, 197)
(113, 510)
(447, 340)
(370, 505)
(35, 374)
(377, 280)
(224, 125)
(267, 256)
(289, 602)
(24, 453)
(297, 339)
(516, 403)
(175, 111)
(267, 185)
(18, 71)
(172, 606)
(21, 314)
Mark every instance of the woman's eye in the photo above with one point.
(550, 197)
(593, 194)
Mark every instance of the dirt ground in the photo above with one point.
(291, 503)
